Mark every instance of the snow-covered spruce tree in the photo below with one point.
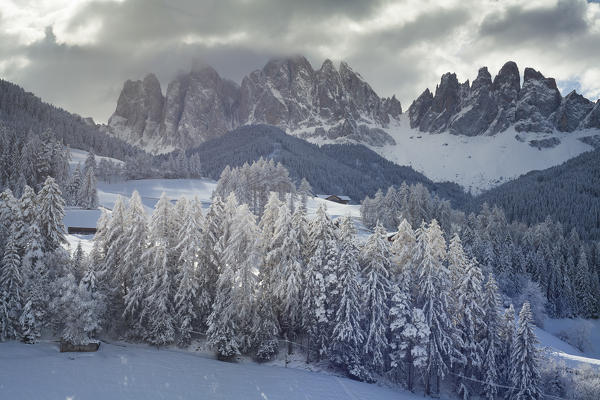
(78, 262)
(11, 285)
(434, 284)
(209, 259)
(51, 209)
(35, 289)
(321, 232)
(133, 272)
(348, 335)
(269, 218)
(178, 216)
(221, 323)
(525, 374)
(409, 335)
(73, 187)
(158, 308)
(29, 214)
(583, 287)
(88, 194)
(305, 191)
(376, 295)
(491, 338)
(404, 253)
(264, 325)
(242, 251)
(457, 264)
(79, 309)
(314, 315)
(507, 338)
(470, 325)
(114, 243)
(186, 280)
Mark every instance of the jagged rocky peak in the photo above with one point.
(286, 92)
(592, 120)
(419, 107)
(538, 99)
(139, 108)
(572, 111)
(488, 107)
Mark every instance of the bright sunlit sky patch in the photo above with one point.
(76, 54)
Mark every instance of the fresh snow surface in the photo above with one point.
(129, 371)
(79, 156)
(481, 162)
(150, 190)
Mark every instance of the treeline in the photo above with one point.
(418, 310)
(569, 193)
(554, 269)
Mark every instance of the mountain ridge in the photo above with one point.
(337, 103)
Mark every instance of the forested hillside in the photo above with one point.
(347, 169)
(24, 113)
(569, 193)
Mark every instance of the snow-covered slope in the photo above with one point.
(79, 156)
(478, 163)
(32, 372)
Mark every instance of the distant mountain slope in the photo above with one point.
(569, 193)
(346, 169)
(24, 112)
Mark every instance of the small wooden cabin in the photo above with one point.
(334, 198)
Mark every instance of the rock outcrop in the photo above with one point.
(488, 107)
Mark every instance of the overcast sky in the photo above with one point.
(77, 53)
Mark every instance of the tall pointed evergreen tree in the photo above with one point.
(11, 285)
(434, 283)
(377, 291)
(51, 209)
(186, 280)
(348, 335)
(525, 374)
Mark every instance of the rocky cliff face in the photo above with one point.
(487, 107)
(329, 102)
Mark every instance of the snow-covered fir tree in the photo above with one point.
(491, 338)
(242, 252)
(348, 335)
(404, 253)
(209, 258)
(409, 335)
(158, 311)
(525, 373)
(434, 283)
(470, 325)
(376, 266)
(51, 209)
(36, 293)
(11, 286)
(186, 280)
(88, 194)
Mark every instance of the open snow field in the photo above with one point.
(79, 156)
(40, 371)
(481, 162)
(131, 371)
(476, 163)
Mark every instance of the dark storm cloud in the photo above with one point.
(398, 53)
(516, 23)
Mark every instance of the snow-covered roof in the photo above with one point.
(325, 196)
(76, 217)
